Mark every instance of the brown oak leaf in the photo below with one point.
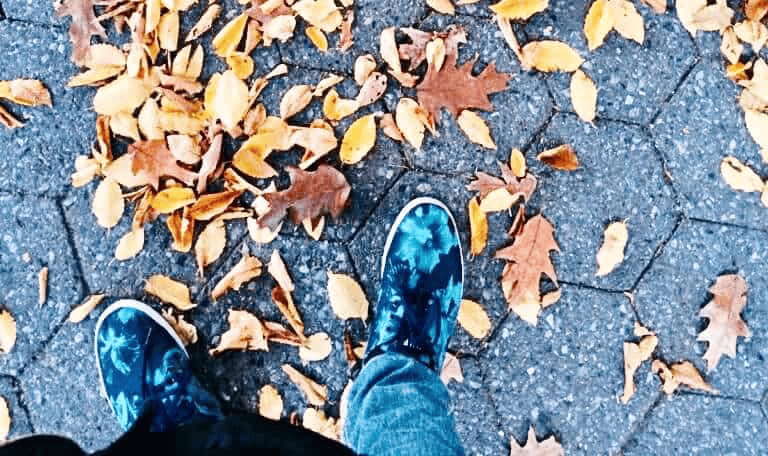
(725, 323)
(416, 51)
(756, 9)
(455, 89)
(84, 26)
(485, 183)
(153, 160)
(310, 195)
(528, 259)
(548, 447)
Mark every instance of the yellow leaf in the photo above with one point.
(130, 244)
(346, 297)
(241, 64)
(5, 419)
(583, 96)
(598, 24)
(246, 269)
(226, 41)
(26, 92)
(295, 100)
(95, 75)
(475, 128)
(627, 21)
(169, 291)
(550, 56)
(210, 244)
(323, 14)
(478, 227)
(124, 94)
(442, 6)
(326, 83)
(358, 140)
(316, 421)
(246, 332)
(213, 204)
(168, 31)
(498, 200)
(7, 331)
(230, 100)
(519, 9)
(731, 47)
(739, 176)
(451, 370)
(409, 117)
(80, 312)
(204, 23)
(317, 37)
(473, 319)
(713, 18)
(388, 49)
(108, 203)
(315, 393)
(551, 298)
(124, 124)
(316, 347)
(561, 157)
(279, 272)
(102, 55)
(279, 28)
(284, 302)
(517, 163)
(634, 356)
(753, 32)
(270, 403)
(611, 254)
(337, 108)
(172, 198)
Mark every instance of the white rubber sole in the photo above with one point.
(413, 203)
(140, 306)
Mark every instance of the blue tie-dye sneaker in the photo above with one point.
(141, 359)
(421, 285)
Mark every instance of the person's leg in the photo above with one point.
(398, 405)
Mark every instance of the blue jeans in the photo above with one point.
(398, 406)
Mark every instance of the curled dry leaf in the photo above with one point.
(388, 49)
(270, 403)
(314, 229)
(345, 38)
(124, 94)
(171, 199)
(517, 163)
(204, 23)
(247, 268)
(583, 96)
(561, 157)
(42, 285)
(451, 370)
(478, 227)
(316, 347)
(80, 312)
(740, 176)
(498, 200)
(295, 100)
(364, 66)
(212, 205)
(358, 140)
(7, 331)
(473, 319)
(684, 373)
(411, 121)
(246, 332)
(757, 125)
(724, 314)
(279, 272)
(634, 356)
(549, 56)
(519, 9)
(186, 331)
(611, 254)
(108, 204)
(317, 37)
(756, 9)
(315, 393)
(284, 302)
(753, 32)
(169, 291)
(337, 108)
(316, 421)
(210, 244)
(346, 297)
(476, 129)
(130, 244)
(26, 92)
(8, 120)
(660, 6)
(731, 47)
(389, 127)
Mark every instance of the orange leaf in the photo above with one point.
(561, 157)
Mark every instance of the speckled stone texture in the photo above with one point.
(673, 291)
(699, 127)
(565, 375)
(620, 178)
(712, 426)
(34, 236)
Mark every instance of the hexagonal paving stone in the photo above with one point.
(620, 178)
(481, 274)
(40, 156)
(10, 390)
(518, 112)
(34, 235)
(700, 126)
(712, 426)
(670, 295)
(61, 389)
(632, 79)
(237, 376)
(566, 375)
(477, 422)
(96, 247)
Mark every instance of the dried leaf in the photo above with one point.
(151, 160)
(204, 23)
(451, 370)
(230, 100)
(473, 319)
(476, 129)
(316, 347)
(684, 373)
(634, 356)
(262, 235)
(169, 291)
(212, 205)
(364, 66)
(316, 421)
(279, 272)
(627, 21)
(498, 200)
(270, 403)
(246, 332)
(598, 23)
(757, 125)
(731, 47)
(314, 230)
(345, 38)
(310, 195)
(173, 198)
(753, 32)
(411, 121)
(725, 323)
(186, 331)
(108, 204)
(740, 176)
(346, 297)
(442, 6)
(168, 31)
(315, 393)
(5, 419)
(226, 41)
(8, 120)
(388, 49)
(42, 285)
(416, 52)
(478, 227)
(756, 9)
(84, 26)
(561, 157)
(485, 184)
(284, 302)
(323, 14)
(210, 244)
(519, 9)
(295, 100)
(26, 92)
(358, 140)
(246, 269)
(80, 312)
(124, 94)
(373, 88)
(7, 331)
(549, 447)
(317, 37)
(611, 254)
(337, 108)
(583, 96)
(660, 6)
(549, 56)
(130, 244)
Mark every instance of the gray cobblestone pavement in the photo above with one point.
(666, 117)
